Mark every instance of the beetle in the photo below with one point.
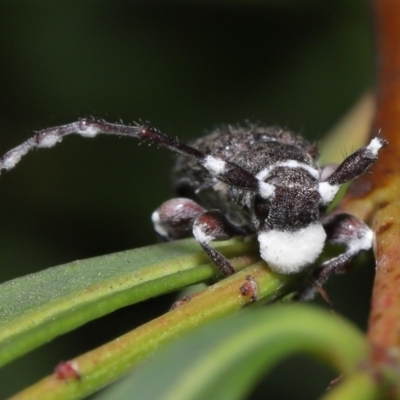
(242, 181)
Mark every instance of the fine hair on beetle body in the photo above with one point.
(246, 180)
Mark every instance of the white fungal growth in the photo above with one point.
(89, 132)
(264, 173)
(266, 190)
(327, 191)
(375, 145)
(10, 161)
(364, 242)
(159, 227)
(200, 235)
(12, 158)
(214, 165)
(290, 252)
(49, 140)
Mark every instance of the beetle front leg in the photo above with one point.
(174, 219)
(213, 225)
(341, 229)
(353, 166)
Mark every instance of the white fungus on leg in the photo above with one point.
(327, 191)
(159, 227)
(375, 145)
(49, 140)
(89, 131)
(200, 235)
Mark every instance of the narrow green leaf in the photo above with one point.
(111, 361)
(38, 307)
(224, 359)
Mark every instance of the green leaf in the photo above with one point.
(38, 307)
(224, 359)
(111, 361)
(362, 385)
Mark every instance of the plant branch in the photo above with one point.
(109, 362)
(375, 196)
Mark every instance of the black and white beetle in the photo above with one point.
(240, 181)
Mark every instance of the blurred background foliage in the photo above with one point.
(186, 67)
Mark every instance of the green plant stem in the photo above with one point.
(225, 359)
(109, 362)
(359, 385)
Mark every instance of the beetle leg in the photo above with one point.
(353, 166)
(344, 229)
(341, 229)
(213, 225)
(224, 171)
(174, 218)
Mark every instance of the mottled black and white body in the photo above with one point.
(241, 181)
(285, 211)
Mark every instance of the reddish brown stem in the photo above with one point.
(375, 196)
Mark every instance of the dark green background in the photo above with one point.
(186, 67)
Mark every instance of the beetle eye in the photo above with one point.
(261, 208)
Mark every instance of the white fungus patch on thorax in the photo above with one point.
(290, 252)
(266, 190)
(264, 173)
